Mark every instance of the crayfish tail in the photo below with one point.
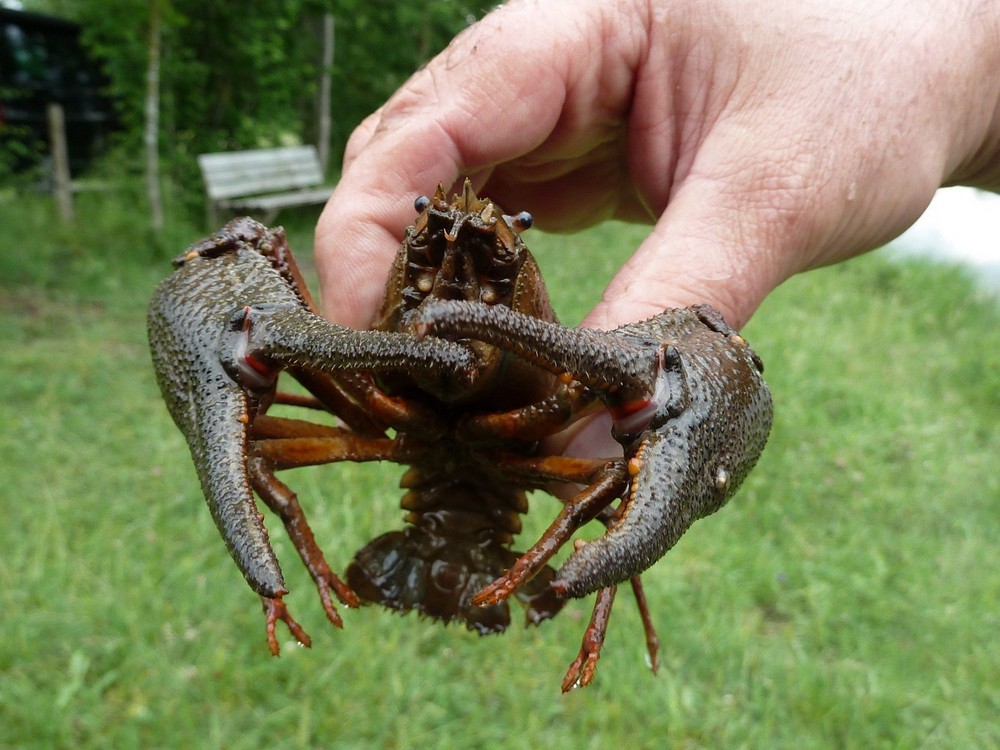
(419, 568)
(456, 541)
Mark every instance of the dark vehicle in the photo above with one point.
(42, 61)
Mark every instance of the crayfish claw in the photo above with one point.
(274, 610)
(688, 455)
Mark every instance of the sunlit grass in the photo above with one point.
(847, 597)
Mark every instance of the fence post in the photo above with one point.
(62, 187)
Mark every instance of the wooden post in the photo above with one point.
(62, 187)
(323, 105)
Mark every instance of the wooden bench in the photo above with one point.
(261, 182)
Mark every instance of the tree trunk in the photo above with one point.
(151, 138)
(323, 106)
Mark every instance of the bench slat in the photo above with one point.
(263, 180)
(241, 173)
(280, 200)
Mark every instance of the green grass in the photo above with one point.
(849, 596)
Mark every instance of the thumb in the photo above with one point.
(709, 247)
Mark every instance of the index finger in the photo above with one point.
(520, 82)
(451, 119)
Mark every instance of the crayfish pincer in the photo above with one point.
(465, 371)
(688, 405)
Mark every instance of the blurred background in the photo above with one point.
(150, 85)
(847, 597)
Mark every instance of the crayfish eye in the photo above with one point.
(520, 222)
(421, 203)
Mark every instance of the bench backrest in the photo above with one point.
(232, 174)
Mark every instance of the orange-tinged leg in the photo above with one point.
(274, 610)
(280, 498)
(535, 421)
(289, 443)
(281, 443)
(606, 486)
(652, 639)
(581, 671)
(333, 395)
(579, 510)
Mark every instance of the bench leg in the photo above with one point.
(212, 214)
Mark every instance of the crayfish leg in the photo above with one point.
(581, 671)
(608, 484)
(399, 413)
(332, 393)
(284, 502)
(274, 610)
(652, 639)
(535, 421)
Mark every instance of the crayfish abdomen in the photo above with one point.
(457, 540)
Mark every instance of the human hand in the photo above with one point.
(762, 139)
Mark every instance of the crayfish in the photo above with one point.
(462, 376)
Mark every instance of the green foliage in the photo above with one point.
(380, 44)
(239, 74)
(234, 74)
(16, 143)
(848, 596)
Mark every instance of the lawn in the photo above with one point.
(849, 596)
